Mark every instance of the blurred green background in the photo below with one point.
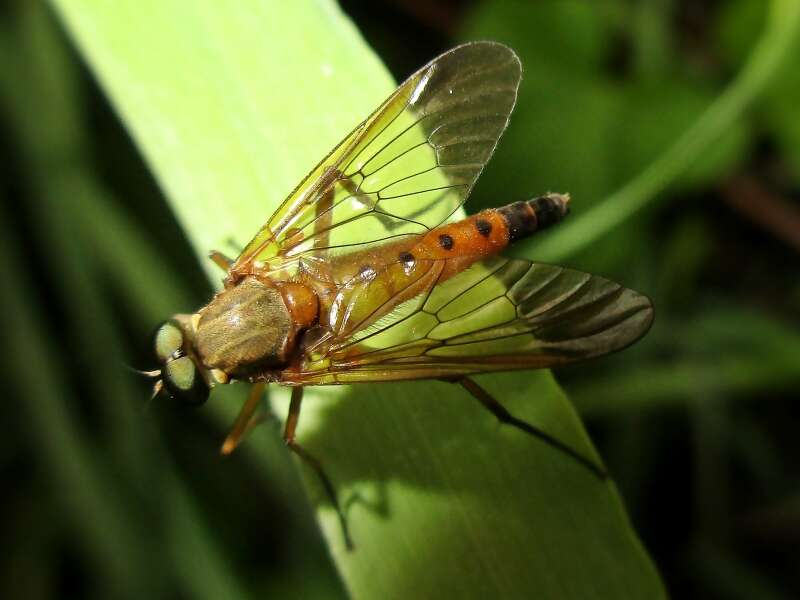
(697, 422)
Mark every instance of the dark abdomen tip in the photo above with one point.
(525, 218)
(550, 209)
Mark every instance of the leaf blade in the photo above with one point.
(231, 105)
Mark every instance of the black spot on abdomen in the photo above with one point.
(483, 227)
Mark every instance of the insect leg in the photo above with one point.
(222, 261)
(350, 186)
(246, 420)
(311, 461)
(499, 411)
(324, 217)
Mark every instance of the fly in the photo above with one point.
(362, 276)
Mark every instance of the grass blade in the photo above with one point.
(232, 103)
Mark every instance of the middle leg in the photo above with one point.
(310, 460)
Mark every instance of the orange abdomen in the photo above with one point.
(489, 232)
(384, 277)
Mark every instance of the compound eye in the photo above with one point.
(183, 381)
(168, 340)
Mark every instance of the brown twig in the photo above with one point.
(749, 198)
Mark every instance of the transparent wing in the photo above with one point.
(405, 169)
(500, 314)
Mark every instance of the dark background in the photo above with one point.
(698, 422)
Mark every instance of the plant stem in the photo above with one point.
(643, 190)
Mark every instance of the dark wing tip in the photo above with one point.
(593, 317)
(638, 318)
(627, 321)
(485, 54)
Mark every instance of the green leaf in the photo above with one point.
(97, 509)
(738, 23)
(231, 104)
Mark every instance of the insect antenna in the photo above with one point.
(157, 387)
(154, 374)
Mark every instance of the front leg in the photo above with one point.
(219, 259)
(246, 420)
